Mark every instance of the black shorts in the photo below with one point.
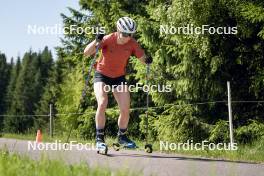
(99, 77)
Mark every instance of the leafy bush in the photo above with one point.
(180, 124)
(152, 125)
(251, 132)
(86, 125)
(220, 132)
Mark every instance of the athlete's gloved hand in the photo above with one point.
(99, 37)
(148, 60)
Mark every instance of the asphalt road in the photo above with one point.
(159, 164)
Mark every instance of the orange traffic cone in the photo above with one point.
(39, 136)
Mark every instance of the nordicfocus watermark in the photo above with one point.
(58, 29)
(58, 145)
(190, 29)
(124, 87)
(190, 145)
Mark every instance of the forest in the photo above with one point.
(197, 66)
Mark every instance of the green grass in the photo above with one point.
(15, 165)
(249, 153)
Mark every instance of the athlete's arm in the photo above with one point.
(140, 54)
(146, 59)
(143, 59)
(90, 48)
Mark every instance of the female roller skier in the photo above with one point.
(110, 68)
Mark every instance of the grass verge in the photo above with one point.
(246, 153)
(15, 165)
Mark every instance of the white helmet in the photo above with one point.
(126, 25)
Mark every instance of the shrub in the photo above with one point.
(251, 132)
(152, 125)
(219, 132)
(180, 124)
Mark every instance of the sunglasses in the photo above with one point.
(126, 34)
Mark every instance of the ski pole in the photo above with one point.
(147, 105)
(85, 88)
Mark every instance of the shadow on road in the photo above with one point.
(178, 158)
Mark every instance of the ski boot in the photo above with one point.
(124, 142)
(101, 147)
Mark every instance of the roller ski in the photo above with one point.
(101, 147)
(124, 142)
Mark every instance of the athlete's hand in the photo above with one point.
(99, 37)
(148, 60)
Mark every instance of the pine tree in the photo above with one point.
(197, 66)
(26, 89)
(73, 66)
(12, 83)
(49, 96)
(4, 79)
(21, 96)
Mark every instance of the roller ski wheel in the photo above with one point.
(148, 148)
(101, 148)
